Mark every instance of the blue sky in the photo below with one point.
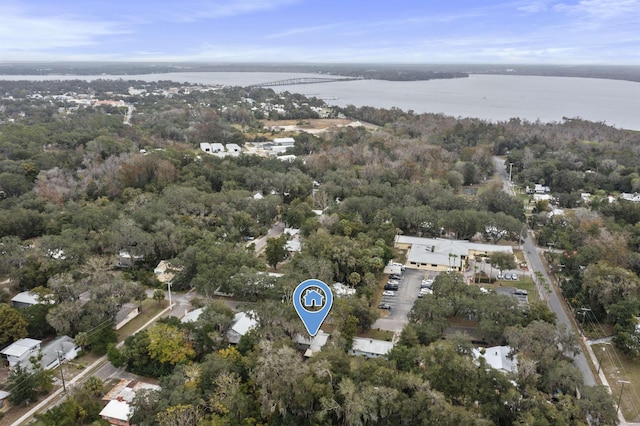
(380, 31)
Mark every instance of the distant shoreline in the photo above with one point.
(386, 72)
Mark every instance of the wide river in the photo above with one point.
(489, 97)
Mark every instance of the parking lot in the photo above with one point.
(522, 298)
(402, 302)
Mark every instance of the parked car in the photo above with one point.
(499, 276)
(395, 277)
(520, 292)
(388, 293)
(393, 282)
(384, 306)
(507, 276)
(393, 287)
(514, 277)
(426, 284)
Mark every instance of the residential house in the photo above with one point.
(340, 290)
(311, 345)
(497, 357)
(128, 260)
(58, 350)
(371, 348)
(165, 272)
(3, 397)
(537, 189)
(205, 147)
(27, 298)
(20, 351)
(191, 316)
(233, 149)
(127, 312)
(118, 410)
(634, 198)
(241, 325)
(217, 148)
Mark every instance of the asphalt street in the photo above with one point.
(532, 257)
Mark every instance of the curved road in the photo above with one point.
(532, 257)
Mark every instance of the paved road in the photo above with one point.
(260, 243)
(532, 256)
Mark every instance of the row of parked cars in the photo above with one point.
(508, 276)
(390, 288)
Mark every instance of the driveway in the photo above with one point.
(402, 302)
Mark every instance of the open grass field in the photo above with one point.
(149, 308)
(617, 366)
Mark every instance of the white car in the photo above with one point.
(388, 293)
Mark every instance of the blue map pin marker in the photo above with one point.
(313, 300)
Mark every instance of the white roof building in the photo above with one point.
(21, 350)
(284, 141)
(371, 348)
(340, 290)
(443, 254)
(311, 344)
(192, 316)
(26, 298)
(635, 197)
(116, 412)
(241, 325)
(205, 147)
(217, 147)
(498, 358)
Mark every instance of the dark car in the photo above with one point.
(393, 287)
(384, 306)
(395, 277)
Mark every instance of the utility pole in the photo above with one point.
(623, 382)
(510, 168)
(64, 386)
(169, 291)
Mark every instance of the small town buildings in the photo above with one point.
(241, 325)
(192, 316)
(287, 142)
(233, 149)
(128, 260)
(217, 148)
(370, 348)
(537, 189)
(165, 272)
(205, 147)
(342, 290)
(27, 298)
(58, 350)
(128, 312)
(497, 357)
(118, 410)
(3, 397)
(440, 254)
(634, 198)
(20, 351)
(311, 345)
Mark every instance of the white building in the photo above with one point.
(371, 348)
(498, 357)
(443, 254)
(26, 299)
(241, 325)
(20, 351)
(311, 345)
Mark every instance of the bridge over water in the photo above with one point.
(303, 80)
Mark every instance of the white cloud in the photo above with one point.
(602, 9)
(194, 10)
(23, 31)
(534, 7)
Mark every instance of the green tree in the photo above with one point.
(276, 250)
(167, 344)
(502, 261)
(158, 295)
(12, 325)
(26, 383)
(93, 385)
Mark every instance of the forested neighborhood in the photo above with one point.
(110, 205)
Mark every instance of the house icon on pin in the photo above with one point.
(313, 298)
